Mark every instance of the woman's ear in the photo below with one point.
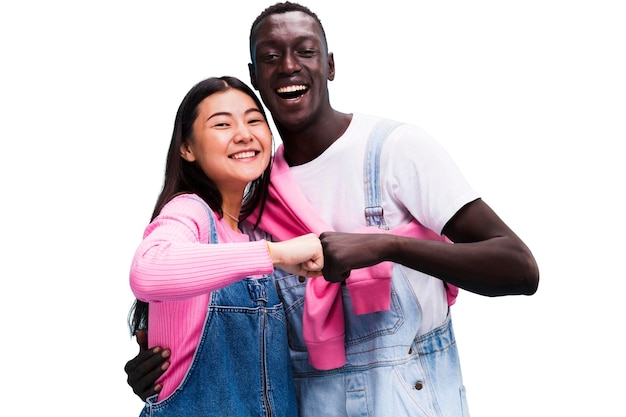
(186, 153)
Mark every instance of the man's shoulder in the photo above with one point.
(369, 121)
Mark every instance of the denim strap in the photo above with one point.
(373, 208)
(209, 212)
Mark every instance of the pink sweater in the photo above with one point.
(288, 214)
(175, 270)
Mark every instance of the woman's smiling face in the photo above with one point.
(231, 141)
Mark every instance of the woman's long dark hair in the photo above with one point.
(183, 177)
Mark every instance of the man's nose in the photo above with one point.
(290, 64)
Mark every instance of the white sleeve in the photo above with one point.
(423, 177)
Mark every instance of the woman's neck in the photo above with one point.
(231, 219)
(231, 207)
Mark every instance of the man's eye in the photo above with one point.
(308, 52)
(269, 57)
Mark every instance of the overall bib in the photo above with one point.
(241, 366)
(388, 371)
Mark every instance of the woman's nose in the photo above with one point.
(243, 134)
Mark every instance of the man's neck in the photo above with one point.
(304, 145)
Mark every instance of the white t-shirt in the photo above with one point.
(418, 180)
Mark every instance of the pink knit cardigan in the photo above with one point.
(288, 214)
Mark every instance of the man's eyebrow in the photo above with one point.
(271, 42)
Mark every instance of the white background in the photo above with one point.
(528, 97)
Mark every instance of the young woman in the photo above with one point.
(207, 275)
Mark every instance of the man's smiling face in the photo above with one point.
(291, 67)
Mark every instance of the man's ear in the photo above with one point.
(186, 152)
(252, 71)
(331, 66)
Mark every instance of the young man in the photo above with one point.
(396, 354)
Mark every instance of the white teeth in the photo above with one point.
(291, 89)
(242, 155)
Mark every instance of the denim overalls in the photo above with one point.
(389, 371)
(241, 365)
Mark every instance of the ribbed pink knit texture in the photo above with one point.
(175, 270)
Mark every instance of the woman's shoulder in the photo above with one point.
(188, 199)
(188, 205)
(186, 212)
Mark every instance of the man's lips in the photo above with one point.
(292, 91)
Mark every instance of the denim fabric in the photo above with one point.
(374, 215)
(389, 371)
(241, 366)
